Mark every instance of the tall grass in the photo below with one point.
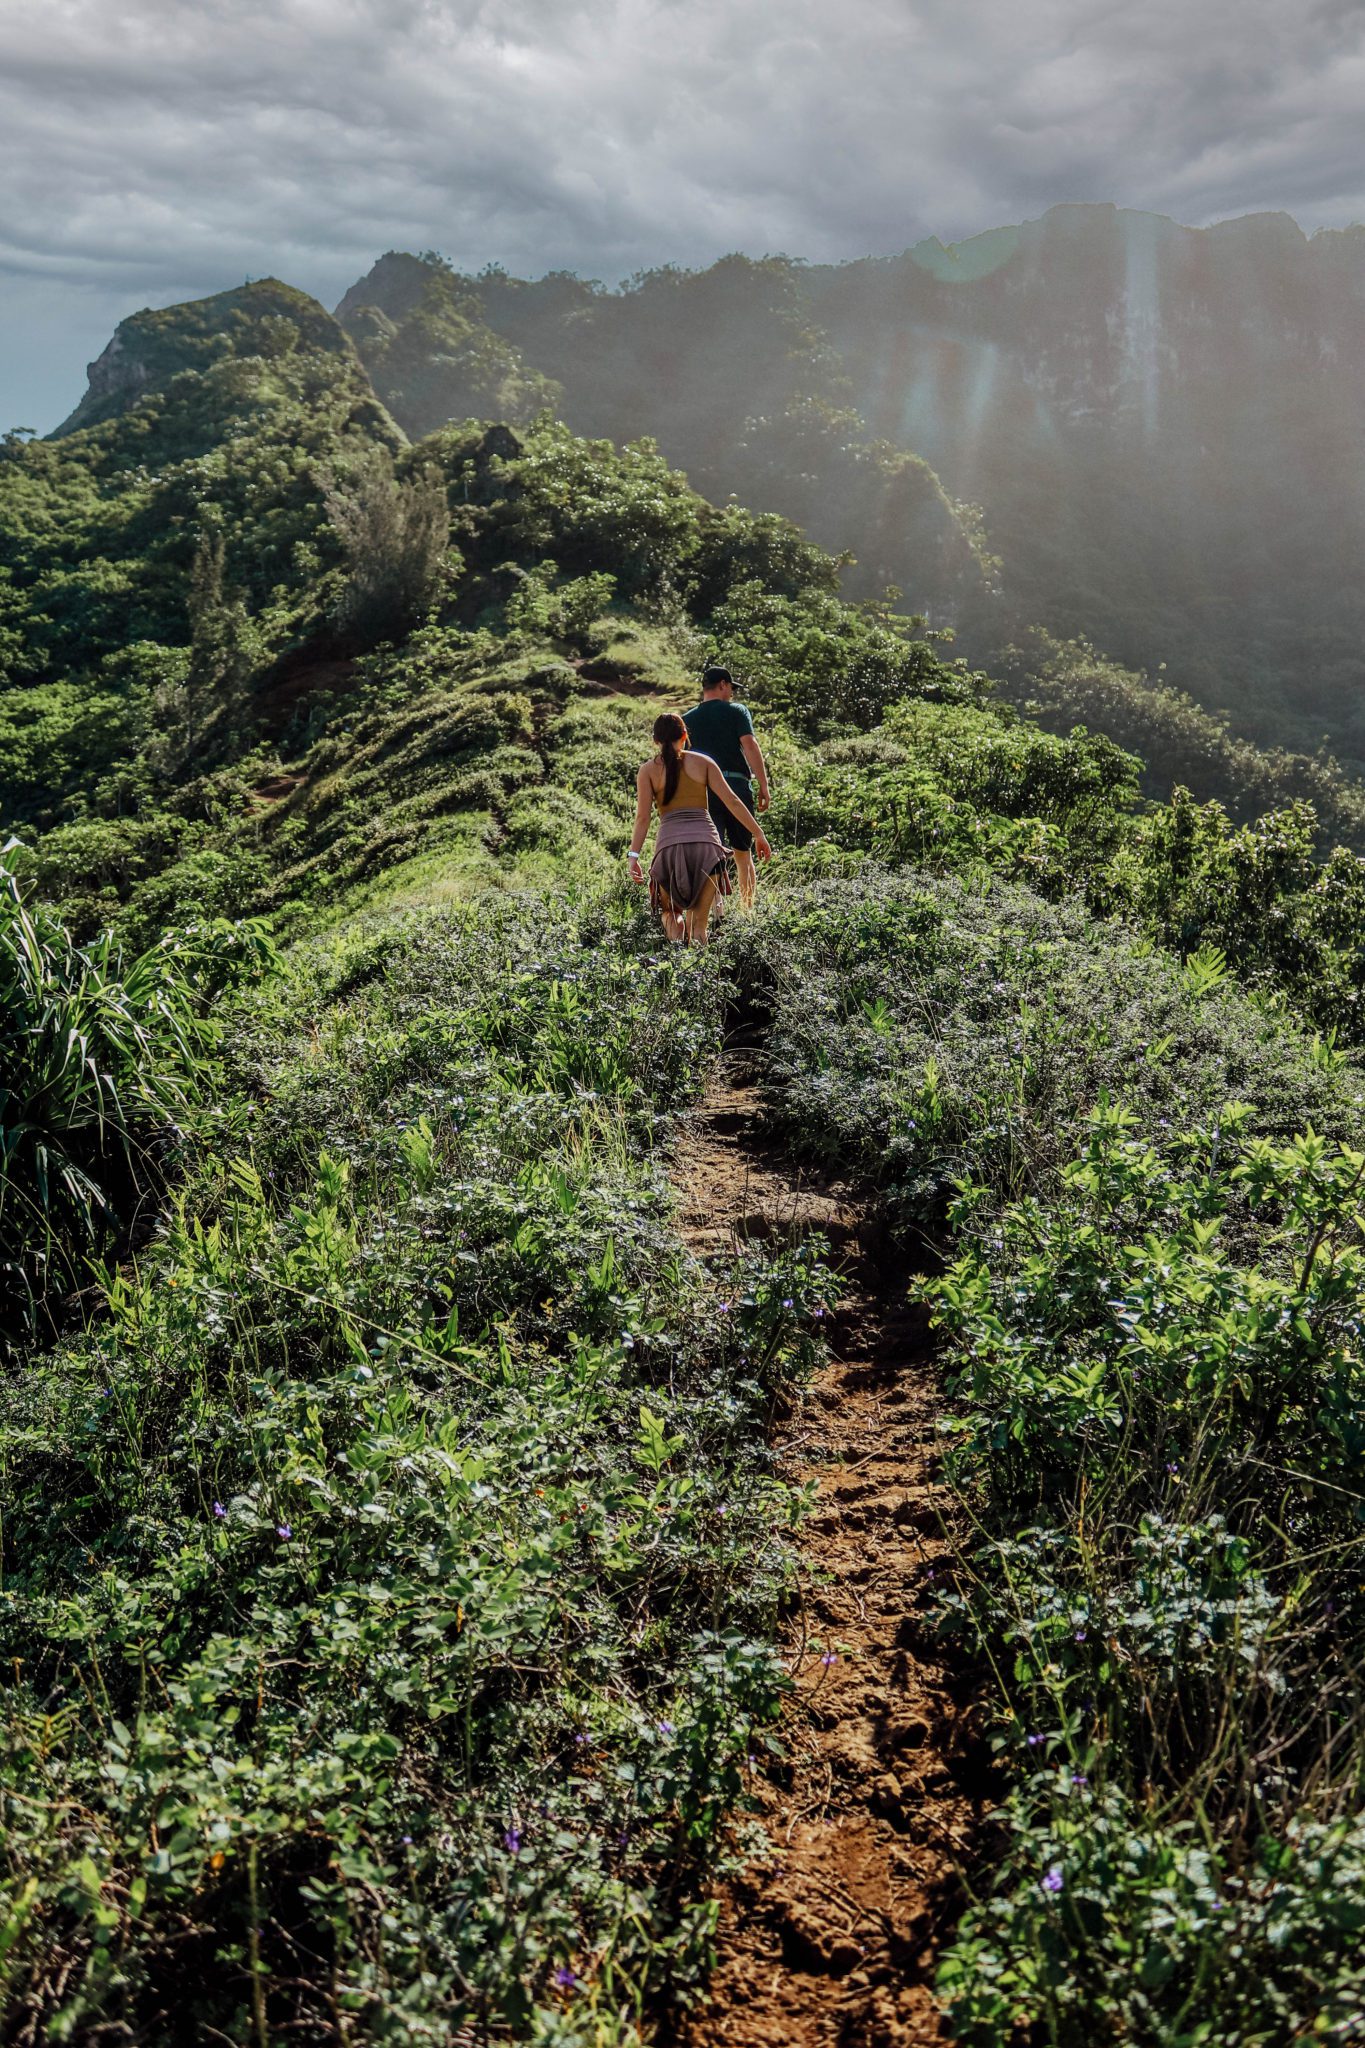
(98, 1063)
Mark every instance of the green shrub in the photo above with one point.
(921, 1031)
(1161, 1418)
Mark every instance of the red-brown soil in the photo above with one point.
(831, 1936)
(275, 788)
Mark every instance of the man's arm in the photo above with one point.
(716, 781)
(753, 754)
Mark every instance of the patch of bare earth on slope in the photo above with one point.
(830, 1939)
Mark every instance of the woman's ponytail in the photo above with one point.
(670, 737)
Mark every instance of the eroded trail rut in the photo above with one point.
(832, 1937)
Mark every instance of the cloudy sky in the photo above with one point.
(153, 150)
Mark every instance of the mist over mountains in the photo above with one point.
(1100, 422)
(1161, 426)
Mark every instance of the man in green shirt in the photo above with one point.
(725, 730)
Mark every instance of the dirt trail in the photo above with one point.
(833, 1939)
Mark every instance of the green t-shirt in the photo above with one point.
(716, 728)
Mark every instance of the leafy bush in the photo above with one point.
(1160, 1386)
(1112, 1926)
(1278, 915)
(1059, 684)
(922, 1031)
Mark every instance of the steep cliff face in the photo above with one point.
(148, 349)
(1101, 315)
(1165, 426)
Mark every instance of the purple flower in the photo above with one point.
(1034, 1740)
(580, 1741)
(1174, 1471)
(1080, 1635)
(219, 1512)
(788, 1302)
(284, 1532)
(830, 1657)
(1052, 1878)
(1217, 1906)
(407, 1841)
(1079, 1778)
(511, 1841)
(565, 1978)
(665, 1727)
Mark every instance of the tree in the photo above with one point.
(396, 536)
(204, 711)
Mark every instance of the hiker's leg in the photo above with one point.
(746, 877)
(699, 915)
(675, 924)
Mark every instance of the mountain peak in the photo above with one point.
(261, 317)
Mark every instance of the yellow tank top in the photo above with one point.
(690, 795)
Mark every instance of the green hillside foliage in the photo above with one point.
(726, 372)
(1151, 1313)
(393, 1562)
(411, 1522)
(1060, 684)
(430, 355)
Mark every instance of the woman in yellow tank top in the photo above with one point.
(688, 854)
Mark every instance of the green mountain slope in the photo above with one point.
(421, 335)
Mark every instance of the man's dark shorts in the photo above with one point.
(726, 823)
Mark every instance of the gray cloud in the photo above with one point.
(166, 148)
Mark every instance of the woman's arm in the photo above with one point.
(716, 781)
(644, 804)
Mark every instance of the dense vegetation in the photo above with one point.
(393, 1558)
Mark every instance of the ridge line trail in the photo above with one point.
(831, 1941)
